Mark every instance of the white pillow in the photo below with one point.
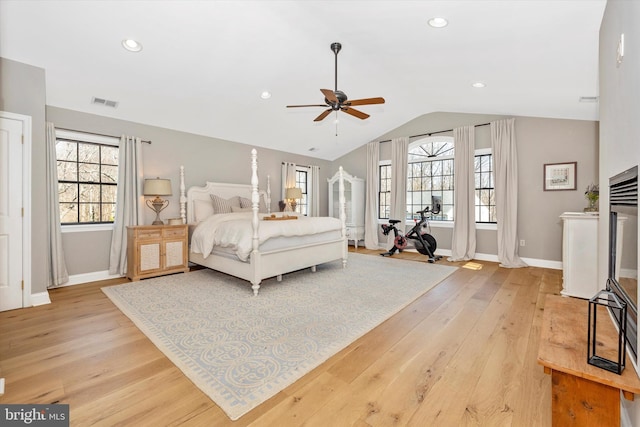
(202, 209)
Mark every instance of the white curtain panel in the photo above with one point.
(371, 199)
(58, 274)
(505, 170)
(288, 177)
(314, 197)
(399, 159)
(129, 201)
(463, 243)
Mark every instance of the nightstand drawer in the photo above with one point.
(145, 234)
(180, 231)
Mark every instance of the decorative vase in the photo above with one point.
(593, 205)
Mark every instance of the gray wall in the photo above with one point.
(204, 159)
(539, 141)
(22, 91)
(619, 124)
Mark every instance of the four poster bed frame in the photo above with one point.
(262, 264)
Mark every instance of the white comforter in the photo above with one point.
(234, 231)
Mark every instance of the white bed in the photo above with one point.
(268, 254)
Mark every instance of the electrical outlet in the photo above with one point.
(522, 242)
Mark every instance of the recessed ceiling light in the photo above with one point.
(265, 95)
(131, 45)
(438, 22)
(478, 84)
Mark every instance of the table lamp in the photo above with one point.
(155, 188)
(291, 195)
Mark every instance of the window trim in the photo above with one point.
(81, 228)
(378, 192)
(95, 139)
(307, 172)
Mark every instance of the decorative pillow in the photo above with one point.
(246, 203)
(221, 205)
(238, 209)
(202, 209)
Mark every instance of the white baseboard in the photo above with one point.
(544, 263)
(41, 298)
(78, 279)
(532, 262)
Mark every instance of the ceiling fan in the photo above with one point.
(337, 100)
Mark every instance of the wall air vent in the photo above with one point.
(588, 99)
(104, 102)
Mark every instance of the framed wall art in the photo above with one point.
(560, 176)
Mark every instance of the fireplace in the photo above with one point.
(623, 248)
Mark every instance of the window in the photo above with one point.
(87, 178)
(384, 193)
(485, 193)
(430, 172)
(302, 183)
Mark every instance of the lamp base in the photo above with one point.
(157, 205)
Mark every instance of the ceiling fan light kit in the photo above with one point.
(337, 100)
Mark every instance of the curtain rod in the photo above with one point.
(433, 133)
(93, 133)
(304, 166)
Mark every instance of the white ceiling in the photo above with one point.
(205, 63)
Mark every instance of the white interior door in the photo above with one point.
(11, 208)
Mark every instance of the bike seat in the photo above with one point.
(394, 221)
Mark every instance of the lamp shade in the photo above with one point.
(293, 193)
(157, 187)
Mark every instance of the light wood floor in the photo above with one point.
(463, 354)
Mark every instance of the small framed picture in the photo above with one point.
(560, 176)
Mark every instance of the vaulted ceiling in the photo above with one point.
(204, 64)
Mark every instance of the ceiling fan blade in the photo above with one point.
(309, 105)
(329, 95)
(355, 113)
(365, 101)
(324, 114)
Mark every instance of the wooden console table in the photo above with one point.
(581, 394)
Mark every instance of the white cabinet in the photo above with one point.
(354, 204)
(580, 255)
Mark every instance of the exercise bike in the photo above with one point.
(424, 243)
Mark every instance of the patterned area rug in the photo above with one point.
(241, 350)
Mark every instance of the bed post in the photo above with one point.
(255, 223)
(268, 194)
(183, 197)
(343, 215)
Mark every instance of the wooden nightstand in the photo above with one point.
(154, 250)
